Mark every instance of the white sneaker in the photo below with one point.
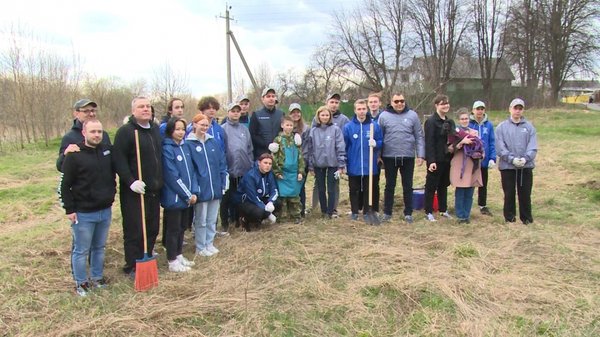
(446, 215)
(222, 234)
(176, 267)
(272, 218)
(212, 249)
(430, 217)
(185, 261)
(204, 252)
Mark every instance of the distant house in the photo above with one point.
(578, 91)
(465, 74)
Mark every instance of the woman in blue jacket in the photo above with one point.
(211, 173)
(178, 194)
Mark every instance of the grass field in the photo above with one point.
(330, 278)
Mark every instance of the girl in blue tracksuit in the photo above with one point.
(257, 193)
(211, 173)
(179, 193)
(357, 137)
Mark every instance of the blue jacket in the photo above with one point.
(256, 187)
(486, 134)
(218, 134)
(209, 166)
(178, 175)
(356, 137)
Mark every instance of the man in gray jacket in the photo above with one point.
(402, 141)
(238, 144)
(516, 146)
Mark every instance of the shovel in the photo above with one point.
(146, 269)
(371, 218)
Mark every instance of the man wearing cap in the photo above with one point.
(485, 129)
(240, 159)
(516, 144)
(83, 110)
(265, 123)
(403, 145)
(244, 103)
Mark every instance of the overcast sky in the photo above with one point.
(130, 39)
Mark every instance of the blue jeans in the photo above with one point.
(463, 200)
(89, 238)
(324, 176)
(205, 223)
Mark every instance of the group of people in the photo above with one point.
(251, 169)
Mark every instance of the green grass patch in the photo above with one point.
(465, 250)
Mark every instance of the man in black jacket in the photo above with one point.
(131, 186)
(83, 110)
(88, 189)
(265, 123)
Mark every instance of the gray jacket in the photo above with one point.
(515, 140)
(325, 147)
(239, 148)
(402, 134)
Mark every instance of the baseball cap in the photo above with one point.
(294, 106)
(478, 104)
(84, 102)
(332, 95)
(266, 91)
(232, 105)
(517, 101)
(243, 97)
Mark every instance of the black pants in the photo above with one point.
(325, 181)
(482, 191)
(358, 188)
(175, 222)
(227, 210)
(252, 213)
(132, 224)
(437, 181)
(520, 180)
(406, 166)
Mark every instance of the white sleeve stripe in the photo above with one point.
(184, 188)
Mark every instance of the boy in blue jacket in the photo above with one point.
(288, 167)
(257, 193)
(178, 194)
(479, 121)
(357, 136)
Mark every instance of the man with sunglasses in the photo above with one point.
(479, 122)
(83, 110)
(516, 143)
(402, 141)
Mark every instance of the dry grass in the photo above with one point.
(339, 278)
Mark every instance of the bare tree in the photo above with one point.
(489, 23)
(571, 39)
(167, 83)
(439, 27)
(369, 41)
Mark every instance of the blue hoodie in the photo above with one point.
(209, 166)
(356, 137)
(256, 186)
(178, 175)
(486, 134)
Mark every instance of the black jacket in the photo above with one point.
(264, 126)
(74, 136)
(436, 139)
(125, 161)
(88, 182)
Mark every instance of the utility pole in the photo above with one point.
(228, 37)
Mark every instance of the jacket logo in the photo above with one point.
(106, 153)
(198, 148)
(355, 136)
(179, 157)
(259, 190)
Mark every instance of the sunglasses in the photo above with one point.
(397, 101)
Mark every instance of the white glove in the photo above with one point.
(372, 143)
(492, 164)
(274, 147)
(518, 162)
(226, 188)
(297, 139)
(336, 175)
(138, 186)
(523, 161)
(272, 218)
(269, 207)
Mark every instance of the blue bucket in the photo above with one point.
(418, 201)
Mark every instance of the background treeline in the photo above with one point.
(378, 46)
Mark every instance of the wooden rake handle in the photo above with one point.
(142, 203)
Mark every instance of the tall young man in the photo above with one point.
(485, 130)
(265, 123)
